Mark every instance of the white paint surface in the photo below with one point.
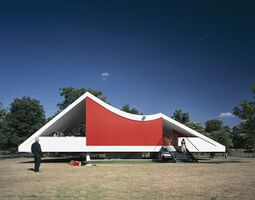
(78, 144)
(196, 144)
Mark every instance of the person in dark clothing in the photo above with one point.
(37, 151)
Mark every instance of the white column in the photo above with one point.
(87, 157)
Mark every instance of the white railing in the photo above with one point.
(192, 144)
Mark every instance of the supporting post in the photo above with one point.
(87, 157)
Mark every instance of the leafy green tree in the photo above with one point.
(222, 134)
(213, 125)
(239, 137)
(223, 137)
(79, 130)
(226, 128)
(3, 112)
(25, 117)
(197, 127)
(4, 136)
(127, 109)
(71, 94)
(246, 112)
(181, 117)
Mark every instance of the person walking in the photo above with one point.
(37, 152)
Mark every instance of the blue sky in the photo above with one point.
(157, 56)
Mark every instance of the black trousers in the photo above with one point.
(37, 163)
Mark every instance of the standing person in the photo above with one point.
(226, 154)
(183, 146)
(37, 151)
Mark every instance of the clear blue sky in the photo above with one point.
(155, 55)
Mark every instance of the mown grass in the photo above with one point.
(129, 179)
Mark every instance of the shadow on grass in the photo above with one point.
(204, 161)
(220, 161)
(67, 160)
(200, 161)
(162, 161)
(52, 160)
(32, 169)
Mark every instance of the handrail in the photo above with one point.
(190, 152)
(192, 144)
(169, 150)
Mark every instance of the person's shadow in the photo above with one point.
(31, 169)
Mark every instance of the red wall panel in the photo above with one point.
(175, 135)
(104, 128)
(165, 141)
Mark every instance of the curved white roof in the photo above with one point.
(74, 114)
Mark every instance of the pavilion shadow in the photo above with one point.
(53, 160)
(220, 161)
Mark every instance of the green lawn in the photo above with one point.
(129, 179)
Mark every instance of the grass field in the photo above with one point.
(141, 179)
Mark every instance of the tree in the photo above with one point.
(197, 127)
(213, 125)
(181, 117)
(239, 137)
(218, 132)
(223, 137)
(3, 112)
(71, 94)
(127, 109)
(246, 112)
(25, 117)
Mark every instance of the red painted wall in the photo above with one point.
(165, 141)
(104, 128)
(175, 135)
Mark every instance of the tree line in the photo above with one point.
(26, 115)
(240, 136)
(212, 128)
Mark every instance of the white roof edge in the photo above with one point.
(56, 118)
(99, 101)
(118, 112)
(122, 113)
(191, 131)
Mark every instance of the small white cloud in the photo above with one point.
(105, 76)
(225, 115)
